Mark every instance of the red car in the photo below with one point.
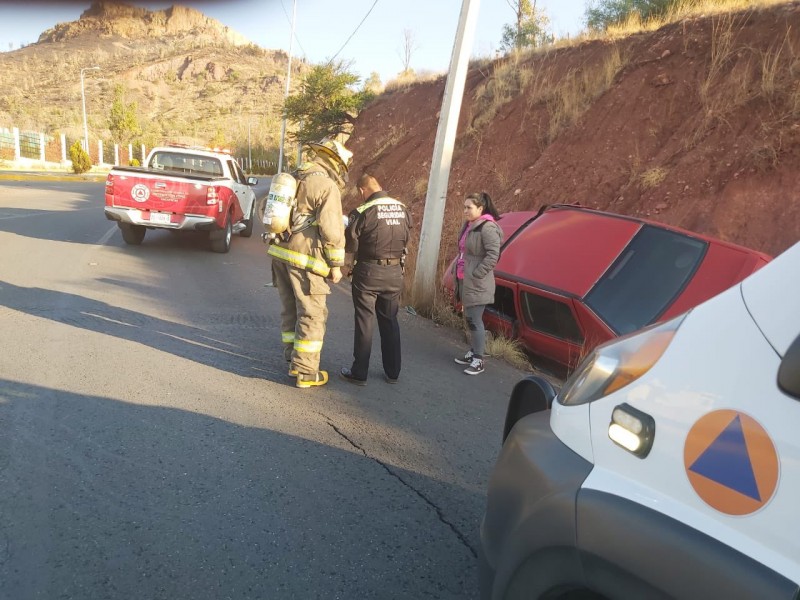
(570, 278)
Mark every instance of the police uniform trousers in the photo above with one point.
(376, 292)
(304, 313)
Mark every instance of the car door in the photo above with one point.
(502, 315)
(549, 326)
(243, 192)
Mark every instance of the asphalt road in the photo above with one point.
(152, 446)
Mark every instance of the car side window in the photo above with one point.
(238, 176)
(504, 302)
(550, 316)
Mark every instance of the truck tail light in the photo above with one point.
(110, 185)
(212, 197)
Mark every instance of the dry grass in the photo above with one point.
(770, 67)
(393, 136)
(406, 79)
(420, 187)
(506, 81)
(579, 88)
(680, 11)
(507, 350)
(652, 177)
(723, 36)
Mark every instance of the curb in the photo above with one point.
(47, 177)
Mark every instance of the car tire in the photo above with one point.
(221, 240)
(248, 223)
(132, 234)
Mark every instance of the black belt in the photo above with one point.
(380, 261)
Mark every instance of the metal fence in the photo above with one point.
(37, 146)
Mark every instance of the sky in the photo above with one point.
(367, 33)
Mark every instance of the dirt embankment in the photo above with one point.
(696, 124)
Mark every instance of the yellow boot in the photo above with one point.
(307, 380)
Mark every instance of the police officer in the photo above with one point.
(377, 235)
(312, 252)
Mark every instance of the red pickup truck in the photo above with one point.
(182, 188)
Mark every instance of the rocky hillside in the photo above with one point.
(192, 77)
(109, 19)
(696, 124)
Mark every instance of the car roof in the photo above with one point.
(563, 248)
(192, 151)
(567, 248)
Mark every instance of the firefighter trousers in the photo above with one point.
(304, 313)
(376, 293)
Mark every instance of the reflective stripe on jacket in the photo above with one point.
(321, 246)
(301, 261)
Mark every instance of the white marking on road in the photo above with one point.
(107, 236)
(194, 343)
(39, 213)
(88, 314)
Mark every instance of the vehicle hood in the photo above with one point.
(772, 296)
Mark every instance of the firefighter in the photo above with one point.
(377, 235)
(308, 254)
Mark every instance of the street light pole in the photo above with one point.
(83, 99)
(286, 95)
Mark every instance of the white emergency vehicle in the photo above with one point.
(668, 466)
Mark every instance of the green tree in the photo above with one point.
(326, 103)
(531, 28)
(122, 121)
(81, 162)
(600, 14)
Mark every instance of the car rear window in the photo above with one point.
(646, 278)
(186, 163)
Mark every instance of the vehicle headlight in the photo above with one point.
(617, 363)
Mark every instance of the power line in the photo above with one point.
(352, 34)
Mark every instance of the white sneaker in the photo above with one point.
(467, 360)
(475, 367)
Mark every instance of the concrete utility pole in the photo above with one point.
(83, 99)
(431, 234)
(288, 81)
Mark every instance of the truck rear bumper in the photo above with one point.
(132, 216)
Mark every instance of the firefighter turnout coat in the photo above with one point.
(303, 260)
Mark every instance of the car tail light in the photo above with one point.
(212, 197)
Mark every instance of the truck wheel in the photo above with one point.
(132, 234)
(248, 223)
(221, 240)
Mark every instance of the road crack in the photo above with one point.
(408, 485)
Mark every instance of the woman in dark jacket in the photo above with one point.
(478, 252)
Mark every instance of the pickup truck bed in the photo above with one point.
(182, 189)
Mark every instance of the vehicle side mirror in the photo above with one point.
(789, 371)
(531, 395)
(252, 180)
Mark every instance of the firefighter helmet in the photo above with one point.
(330, 148)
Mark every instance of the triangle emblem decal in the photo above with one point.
(726, 461)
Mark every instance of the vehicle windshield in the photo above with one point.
(186, 163)
(646, 278)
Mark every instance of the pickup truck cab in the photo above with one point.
(182, 188)
(668, 466)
